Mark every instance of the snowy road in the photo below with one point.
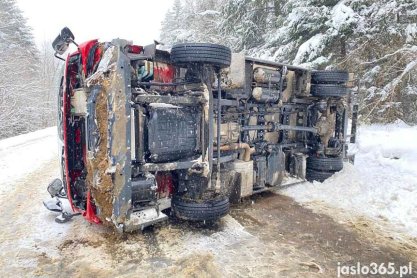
(268, 235)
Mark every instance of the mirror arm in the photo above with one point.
(60, 58)
(73, 42)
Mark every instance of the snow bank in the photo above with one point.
(24, 138)
(23, 154)
(381, 185)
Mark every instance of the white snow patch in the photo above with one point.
(163, 105)
(316, 63)
(411, 32)
(209, 12)
(23, 154)
(342, 16)
(310, 49)
(232, 234)
(382, 185)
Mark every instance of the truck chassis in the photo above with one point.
(145, 131)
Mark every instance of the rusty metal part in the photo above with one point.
(326, 126)
(265, 75)
(219, 121)
(239, 146)
(175, 100)
(274, 64)
(265, 95)
(287, 93)
(270, 126)
(177, 165)
(229, 133)
(206, 78)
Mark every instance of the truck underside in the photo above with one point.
(191, 130)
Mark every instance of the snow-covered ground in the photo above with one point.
(382, 185)
(255, 240)
(23, 154)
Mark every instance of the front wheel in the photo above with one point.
(200, 210)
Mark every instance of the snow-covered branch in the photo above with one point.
(411, 49)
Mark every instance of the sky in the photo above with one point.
(138, 20)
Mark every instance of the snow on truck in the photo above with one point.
(145, 132)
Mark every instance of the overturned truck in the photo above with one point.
(145, 132)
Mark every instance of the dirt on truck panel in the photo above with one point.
(98, 181)
(193, 130)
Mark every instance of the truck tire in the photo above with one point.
(329, 90)
(207, 210)
(325, 163)
(321, 176)
(329, 77)
(203, 53)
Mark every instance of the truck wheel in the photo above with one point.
(329, 77)
(203, 53)
(194, 210)
(328, 90)
(313, 175)
(325, 163)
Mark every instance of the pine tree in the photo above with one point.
(244, 23)
(19, 86)
(376, 39)
(171, 25)
(191, 21)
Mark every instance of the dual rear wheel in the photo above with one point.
(322, 168)
(329, 83)
(325, 84)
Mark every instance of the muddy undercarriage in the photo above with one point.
(191, 130)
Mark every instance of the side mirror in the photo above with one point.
(149, 50)
(62, 41)
(55, 188)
